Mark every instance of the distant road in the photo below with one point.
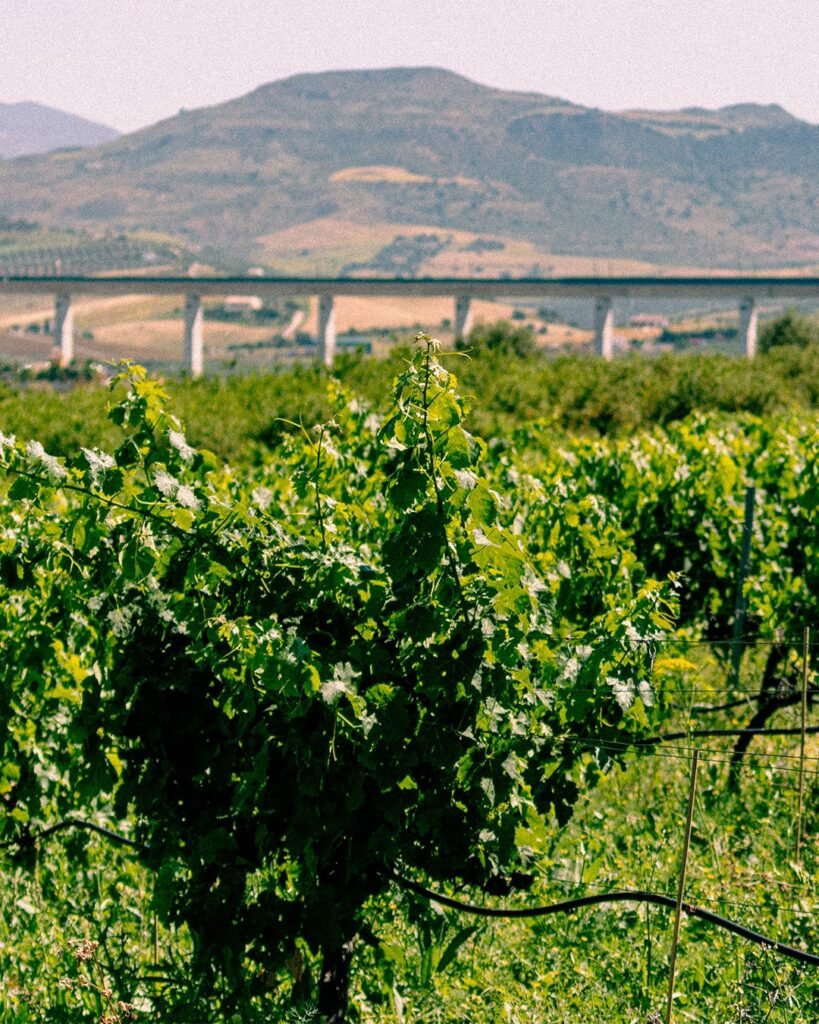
(295, 322)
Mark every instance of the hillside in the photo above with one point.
(30, 128)
(406, 153)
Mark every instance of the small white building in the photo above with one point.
(242, 304)
(649, 320)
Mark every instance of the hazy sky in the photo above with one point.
(129, 63)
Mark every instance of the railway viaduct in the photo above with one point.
(745, 292)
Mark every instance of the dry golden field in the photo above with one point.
(323, 247)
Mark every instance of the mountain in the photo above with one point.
(354, 162)
(27, 128)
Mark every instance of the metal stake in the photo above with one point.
(805, 673)
(683, 867)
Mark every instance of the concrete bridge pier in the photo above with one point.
(194, 335)
(63, 330)
(464, 316)
(604, 328)
(748, 322)
(326, 329)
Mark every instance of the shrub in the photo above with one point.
(502, 337)
(790, 329)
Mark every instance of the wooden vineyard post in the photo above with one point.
(744, 561)
(805, 673)
(155, 927)
(681, 888)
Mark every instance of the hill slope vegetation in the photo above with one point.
(422, 146)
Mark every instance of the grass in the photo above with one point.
(611, 963)
(420, 967)
(600, 963)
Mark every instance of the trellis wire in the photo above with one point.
(572, 883)
(618, 896)
(684, 754)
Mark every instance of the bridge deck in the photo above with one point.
(750, 286)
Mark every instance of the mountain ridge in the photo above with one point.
(28, 128)
(738, 186)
